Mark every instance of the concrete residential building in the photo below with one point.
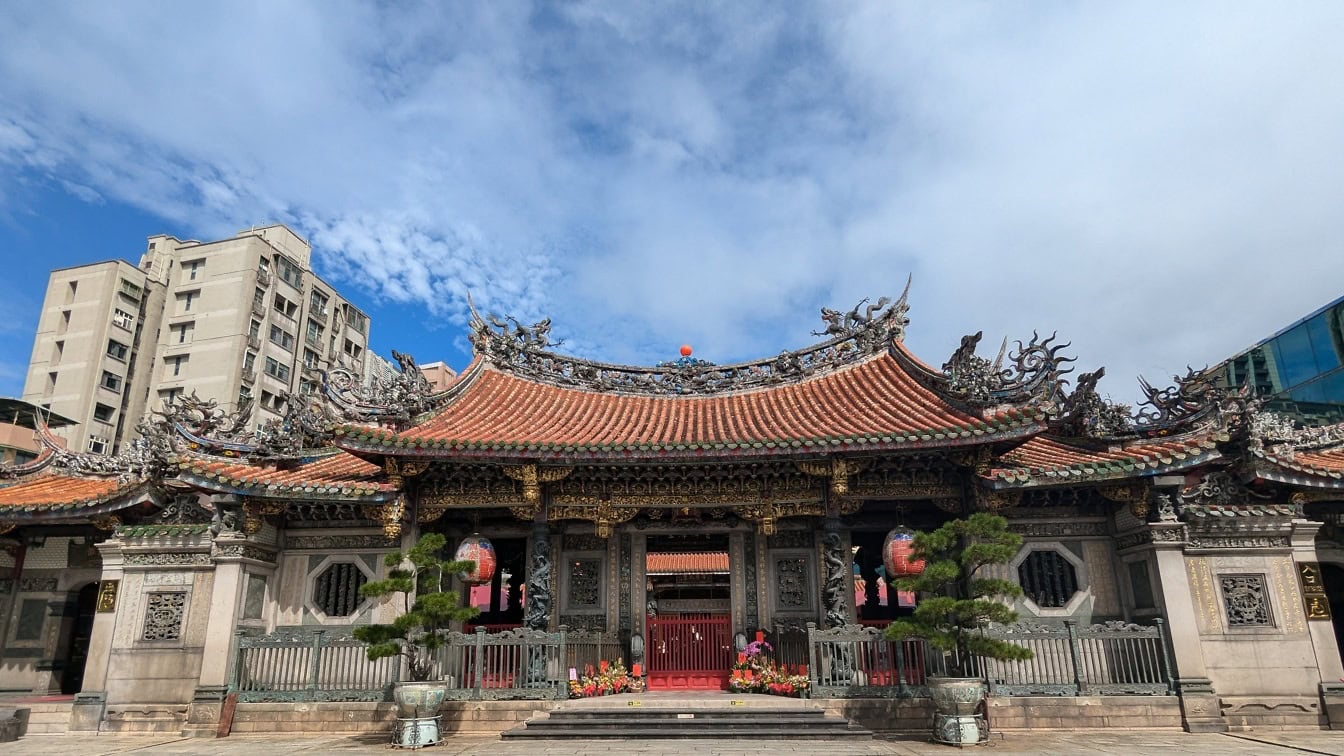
(232, 319)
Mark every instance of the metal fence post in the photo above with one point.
(562, 690)
(1166, 657)
(1075, 653)
(316, 661)
(900, 667)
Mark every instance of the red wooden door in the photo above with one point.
(689, 653)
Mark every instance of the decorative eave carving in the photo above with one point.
(836, 469)
(854, 336)
(600, 512)
(1034, 373)
(532, 476)
(255, 511)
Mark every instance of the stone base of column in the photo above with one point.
(203, 714)
(1332, 704)
(86, 713)
(1200, 711)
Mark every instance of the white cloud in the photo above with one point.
(1161, 183)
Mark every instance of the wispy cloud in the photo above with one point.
(1159, 182)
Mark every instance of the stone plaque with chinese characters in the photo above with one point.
(107, 596)
(1314, 601)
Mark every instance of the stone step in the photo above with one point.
(662, 733)
(802, 720)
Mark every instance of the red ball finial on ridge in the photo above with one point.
(686, 350)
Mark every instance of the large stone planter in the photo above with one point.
(417, 713)
(955, 703)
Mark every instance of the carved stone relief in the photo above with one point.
(585, 583)
(163, 616)
(1245, 600)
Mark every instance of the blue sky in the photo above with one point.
(1160, 183)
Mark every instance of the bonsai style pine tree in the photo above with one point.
(956, 604)
(423, 625)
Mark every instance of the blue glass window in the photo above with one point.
(1293, 353)
(1321, 342)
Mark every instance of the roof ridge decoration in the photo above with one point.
(389, 400)
(1034, 373)
(1278, 435)
(854, 336)
(145, 458)
(208, 428)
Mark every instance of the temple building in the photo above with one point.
(672, 511)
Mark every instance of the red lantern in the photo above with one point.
(686, 350)
(898, 555)
(478, 549)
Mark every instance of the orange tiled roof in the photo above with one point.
(697, 563)
(872, 404)
(59, 491)
(1045, 461)
(333, 474)
(1325, 463)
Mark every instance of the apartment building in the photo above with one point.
(232, 319)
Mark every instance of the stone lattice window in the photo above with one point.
(1245, 599)
(791, 587)
(1048, 579)
(585, 581)
(336, 589)
(163, 616)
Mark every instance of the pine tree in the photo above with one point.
(424, 623)
(955, 605)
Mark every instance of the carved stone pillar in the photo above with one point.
(1200, 710)
(537, 613)
(91, 703)
(836, 566)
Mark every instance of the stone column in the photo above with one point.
(1320, 630)
(91, 703)
(230, 551)
(1200, 711)
(836, 575)
(537, 612)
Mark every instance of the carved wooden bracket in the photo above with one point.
(601, 513)
(253, 512)
(996, 501)
(532, 477)
(838, 470)
(390, 514)
(767, 513)
(105, 522)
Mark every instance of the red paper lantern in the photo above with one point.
(478, 549)
(686, 350)
(898, 555)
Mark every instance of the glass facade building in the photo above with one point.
(1299, 371)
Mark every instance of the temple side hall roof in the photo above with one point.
(1050, 461)
(56, 491)
(328, 474)
(873, 404)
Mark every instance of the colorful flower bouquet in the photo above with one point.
(608, 679)
(754, 672)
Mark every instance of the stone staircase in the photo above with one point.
(687, 715)
(47, 718)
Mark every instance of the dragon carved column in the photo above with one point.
(834, 588)
(537, 612)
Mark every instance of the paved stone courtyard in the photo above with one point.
(1116, 742)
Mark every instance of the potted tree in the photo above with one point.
(428, 611)
(955, 606)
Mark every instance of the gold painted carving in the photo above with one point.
(106, 522)
(908, 491)
(428, 515)
(532, 477)
(767, 513)
(601, 513)
(527, 513)
(996, 501)
(472, 499)
(948, 504)
(838, 470)
(397, 470)
(107, 596)
(390, 515)
(1310, 497)
(1135, 494)
(977, 459)
(1284, 584)
(253, 512)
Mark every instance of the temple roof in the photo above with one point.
(327, 475)
(872, 404)
(1044, 461)
(57, 490)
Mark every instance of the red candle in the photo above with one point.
(636, 670)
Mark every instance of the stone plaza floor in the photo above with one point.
(1107, 742)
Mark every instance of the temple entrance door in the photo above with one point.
(1333, 577)
(690, 652)
(77, 652)
(688, 625)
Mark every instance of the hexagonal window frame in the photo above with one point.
(310, 583)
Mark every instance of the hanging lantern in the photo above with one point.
(898, 555)
(478, 549)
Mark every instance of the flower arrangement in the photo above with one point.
(608, 679)
(755, 672)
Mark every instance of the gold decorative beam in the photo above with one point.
(838, 470)
(601, 513)
(527, 512)
(1311, 497)
(767, 513)
(397, 470)
(106, 522)
(996, 501)
(532, 477)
